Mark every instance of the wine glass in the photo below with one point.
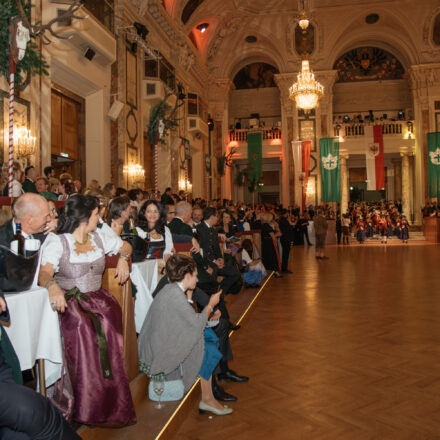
(158, 387)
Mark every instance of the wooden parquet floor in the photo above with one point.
(346, 348)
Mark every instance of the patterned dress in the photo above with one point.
(92, 331)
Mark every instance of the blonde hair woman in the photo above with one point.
(93, 186)
(17, 171)
(270, 257)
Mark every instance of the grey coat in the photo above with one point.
(172, 334)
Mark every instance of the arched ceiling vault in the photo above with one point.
(341, 23)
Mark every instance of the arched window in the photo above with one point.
(368, 64)
(436, 31)
(256, 76)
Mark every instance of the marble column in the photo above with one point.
(406, 202)
(284, 81)
(345, 194)
(324, 115)
(219, 109)
(397, 179)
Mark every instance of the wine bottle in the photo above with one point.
(132, 227)
(20, 239)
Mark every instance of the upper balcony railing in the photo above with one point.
(103, 11)
(357, 129)
(267, 134)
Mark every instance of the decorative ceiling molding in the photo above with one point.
(227, 27)
(423, 76)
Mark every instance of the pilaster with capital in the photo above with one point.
(219, 108)
(289, 122)
(405, 153)
(325, 110)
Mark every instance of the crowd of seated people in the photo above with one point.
(73, 241)
(186, 332)
(222, 256)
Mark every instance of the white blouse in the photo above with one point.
(168, 239)
(52, 248)
(17, 189)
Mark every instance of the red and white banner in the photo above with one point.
(306, 147)
(301, 162)
(374, 158)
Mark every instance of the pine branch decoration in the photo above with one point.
(33, 62)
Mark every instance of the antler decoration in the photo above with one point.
(40, 30)
(228, 157)
(169, 119)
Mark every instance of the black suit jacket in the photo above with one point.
(286, 229)
(208, 239)
(7, 232)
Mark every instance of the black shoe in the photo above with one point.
(232, 376)
(221, 395)
(233, 326)
(286, 271)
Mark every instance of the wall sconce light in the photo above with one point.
(24, 142)
(134, 171)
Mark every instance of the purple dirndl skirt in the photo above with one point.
(100, 384)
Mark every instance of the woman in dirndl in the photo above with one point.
(72, 266)
(151, 226)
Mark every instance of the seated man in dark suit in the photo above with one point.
(25, 414)
(208, 239)
(182, 233)
(28, 185)
(32, 211)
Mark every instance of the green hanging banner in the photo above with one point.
(434, 164)
(330, 175)
(255, 156)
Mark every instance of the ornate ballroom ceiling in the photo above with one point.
(402, 29)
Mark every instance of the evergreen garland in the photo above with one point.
(157, 113)
(33, 62)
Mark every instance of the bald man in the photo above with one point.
(32, 211)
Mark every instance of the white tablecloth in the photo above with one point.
(35, 332)
(145, 277)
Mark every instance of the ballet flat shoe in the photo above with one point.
(203, 408)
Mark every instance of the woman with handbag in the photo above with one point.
(174, 343)
(72, 266)
(151, 225)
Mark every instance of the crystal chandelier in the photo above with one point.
(24, 142)
(306, 91)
